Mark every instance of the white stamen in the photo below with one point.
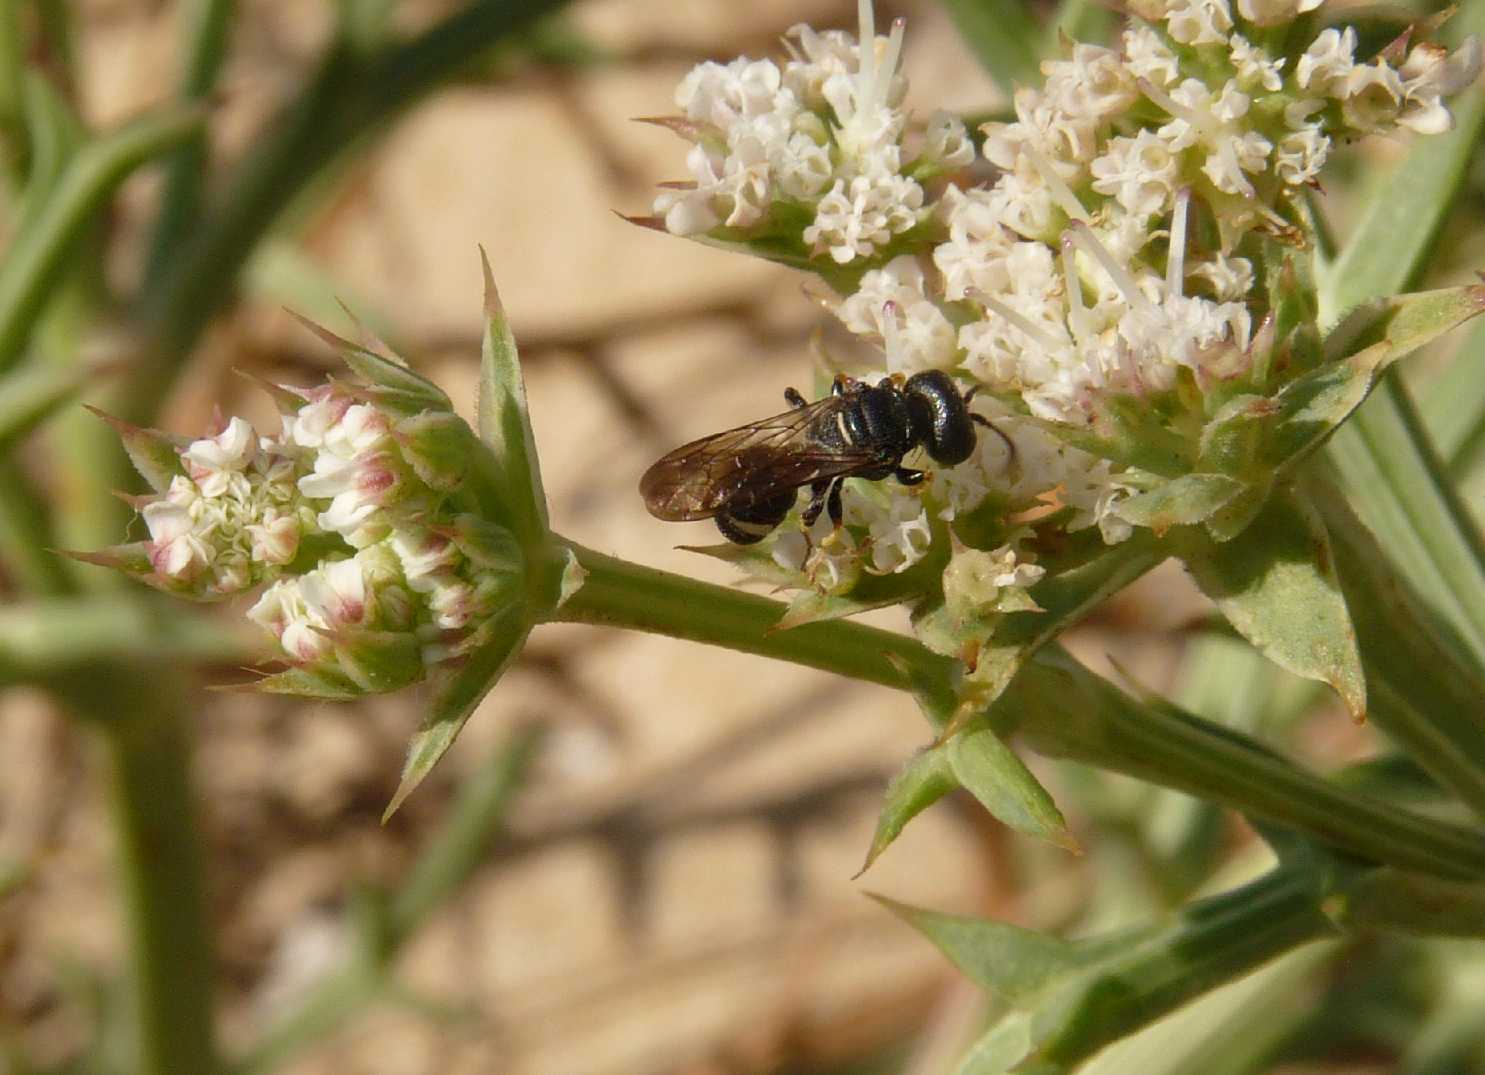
(1167, 102)
(866, 69)
(1175, 259)
(1077, 312)
(1088, 243)
(1061, 192)
(1035, 332)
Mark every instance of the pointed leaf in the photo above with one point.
(1276, 585)
(456, 695)
(323, 683)
(922, 782)
(1311, 407)
(393, 383)
(155, 455)
(999, 779)
(438, 445)
(810, 606)
(1183, 501)
(504, 424)
(1017, 964)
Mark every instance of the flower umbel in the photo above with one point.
(1127, 297)
(353, 519)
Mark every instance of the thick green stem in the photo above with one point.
(1061, 707)
(144, 724)
(1063, 710)
(622, 594)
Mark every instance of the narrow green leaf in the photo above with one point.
(999, 779)
(455, 698)
(1310, 408)
(32, 394)
(1390, 469)
(1183, 501)
(392, 381)
(1453, 407)
(155, 455)
(1425, 691)
(38, 256)
(922, 782)
(319, 683)
(504, 424)
(1276, 584)
(1003, 37)
(1017, 964)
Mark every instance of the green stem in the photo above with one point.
(621, 594)
(1062, 709)
(38, 257)
(206, 23)
(144, 724)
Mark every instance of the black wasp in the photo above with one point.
(748, 478)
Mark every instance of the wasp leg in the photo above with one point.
(818, 491)
(838, 386)
(794, 399)
(908, 477)
(980, 419)
(834, 506)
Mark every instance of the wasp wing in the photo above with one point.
(750, 464)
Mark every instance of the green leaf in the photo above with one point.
(1183, 501)
(1004, 38)
(1276, 584)
(38, 256)
(1017, 964)
(1453, 408)
(497, 644)
(390, 381)
(1074, 998)
(1391, 471)
(999, 779)
(922, 782)
(1310, 408)
(1425, 691)
(505, 426)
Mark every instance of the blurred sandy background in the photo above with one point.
(675, 893)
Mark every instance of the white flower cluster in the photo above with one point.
(822, 136)
(1113, 256)
(232, 518)
(341, 476)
